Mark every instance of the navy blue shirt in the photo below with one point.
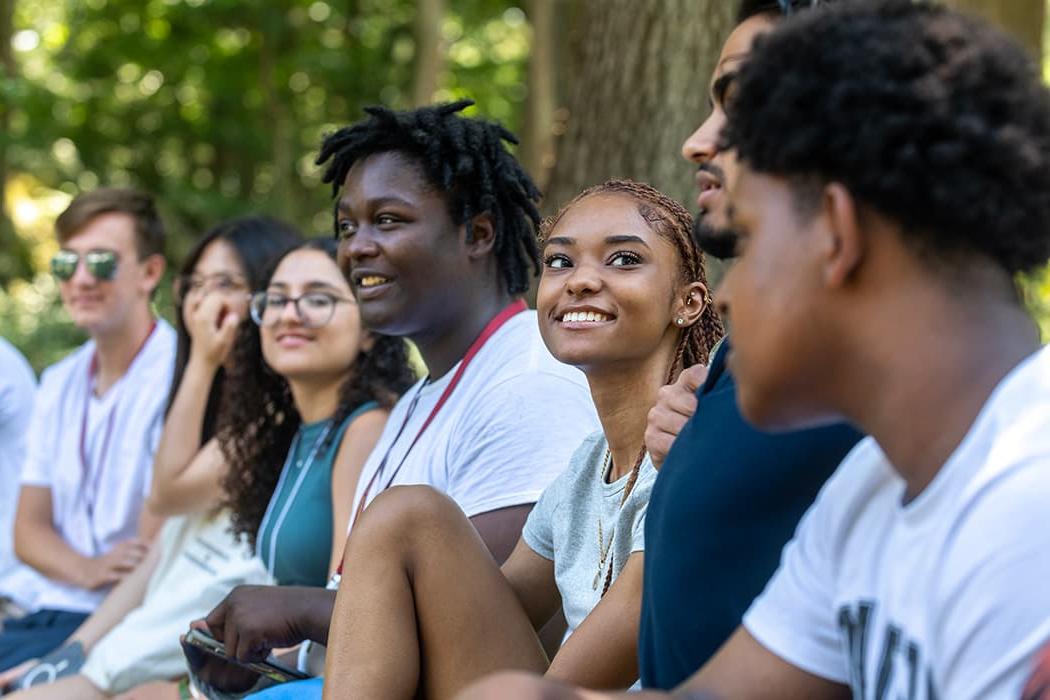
(727, 500)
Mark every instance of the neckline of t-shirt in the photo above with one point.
(614, 488)
(429, 386)
(923, 506)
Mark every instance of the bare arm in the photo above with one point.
(125, 597)
(603, 651)
(532, 578)
(41, 547)
(358, 442)
(186, 476)
(741, 670)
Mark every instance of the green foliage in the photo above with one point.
(218, 106)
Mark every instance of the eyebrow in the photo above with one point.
(310, 286)
(617, 239)
(376, 203)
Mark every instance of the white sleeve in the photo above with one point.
(996, 612)
(794, 616)
(37, 468)
(516, 439)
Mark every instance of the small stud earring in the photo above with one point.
(679, 321)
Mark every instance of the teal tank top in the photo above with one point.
(295, 537)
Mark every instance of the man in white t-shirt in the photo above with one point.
(436, 222)
(894, 178)
(96, 421)
(17, 386)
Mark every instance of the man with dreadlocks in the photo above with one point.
(423, 609)
(436, 227)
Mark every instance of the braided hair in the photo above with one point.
(466, 160)
(671, 220)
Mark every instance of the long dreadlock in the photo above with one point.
(463, 158)
(669, 219)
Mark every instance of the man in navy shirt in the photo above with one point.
(729, 496)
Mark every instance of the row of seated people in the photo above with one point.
(590, 458)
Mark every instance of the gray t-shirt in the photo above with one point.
(564, 526)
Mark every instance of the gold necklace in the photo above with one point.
(603, 548)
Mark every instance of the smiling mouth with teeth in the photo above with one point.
(584, 317)
(372, 281)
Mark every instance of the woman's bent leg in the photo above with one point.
(422, 607)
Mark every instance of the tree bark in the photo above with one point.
(1025, 19)
(429, 59)
(638, 89)
(537, 139)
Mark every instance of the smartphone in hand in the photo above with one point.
(197, 645)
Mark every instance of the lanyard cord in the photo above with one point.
(89, 492)
(494, 325)
(304, 467)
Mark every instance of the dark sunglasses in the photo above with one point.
(100, 264)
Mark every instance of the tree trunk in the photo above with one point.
(1025, 19)
(537, 139)
(429, 59)
(638, 88)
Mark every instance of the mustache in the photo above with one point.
(712, 169)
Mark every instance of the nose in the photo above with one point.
(360, 246)
(81, 277)
(702, 144)
(583, 281)
(289, 313)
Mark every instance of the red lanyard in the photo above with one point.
(494, 325)
(90, 495)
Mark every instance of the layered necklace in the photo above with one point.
(605, 548)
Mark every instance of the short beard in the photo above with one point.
(717, 242)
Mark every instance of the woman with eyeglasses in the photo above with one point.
(132, 638)
(309, 391)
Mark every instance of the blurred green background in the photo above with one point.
(218, 106)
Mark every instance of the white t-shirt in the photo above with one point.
(17, 386)
(507, 430)
(95, 510)
(945, 597)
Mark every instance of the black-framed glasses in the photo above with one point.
(101, 263)
(314, 309)
(789, 6)
(219, 282)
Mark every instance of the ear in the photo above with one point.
(483, 236)
(689, 304)
(152, 272)
(843, 249)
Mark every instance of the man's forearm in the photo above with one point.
(43, 549)
(320, 605)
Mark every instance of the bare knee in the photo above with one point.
(510, 684)
(401, 513)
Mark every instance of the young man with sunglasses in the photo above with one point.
(80, 523)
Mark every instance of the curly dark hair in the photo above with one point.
(257, 241)
(260, 419)
(669, 219)
(466, 160)
(929, 117)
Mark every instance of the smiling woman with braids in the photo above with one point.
(308, 394)
(424, 610)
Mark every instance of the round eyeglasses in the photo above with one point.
(314, 309)
(219, 282)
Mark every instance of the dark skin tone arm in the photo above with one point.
(253, 620)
